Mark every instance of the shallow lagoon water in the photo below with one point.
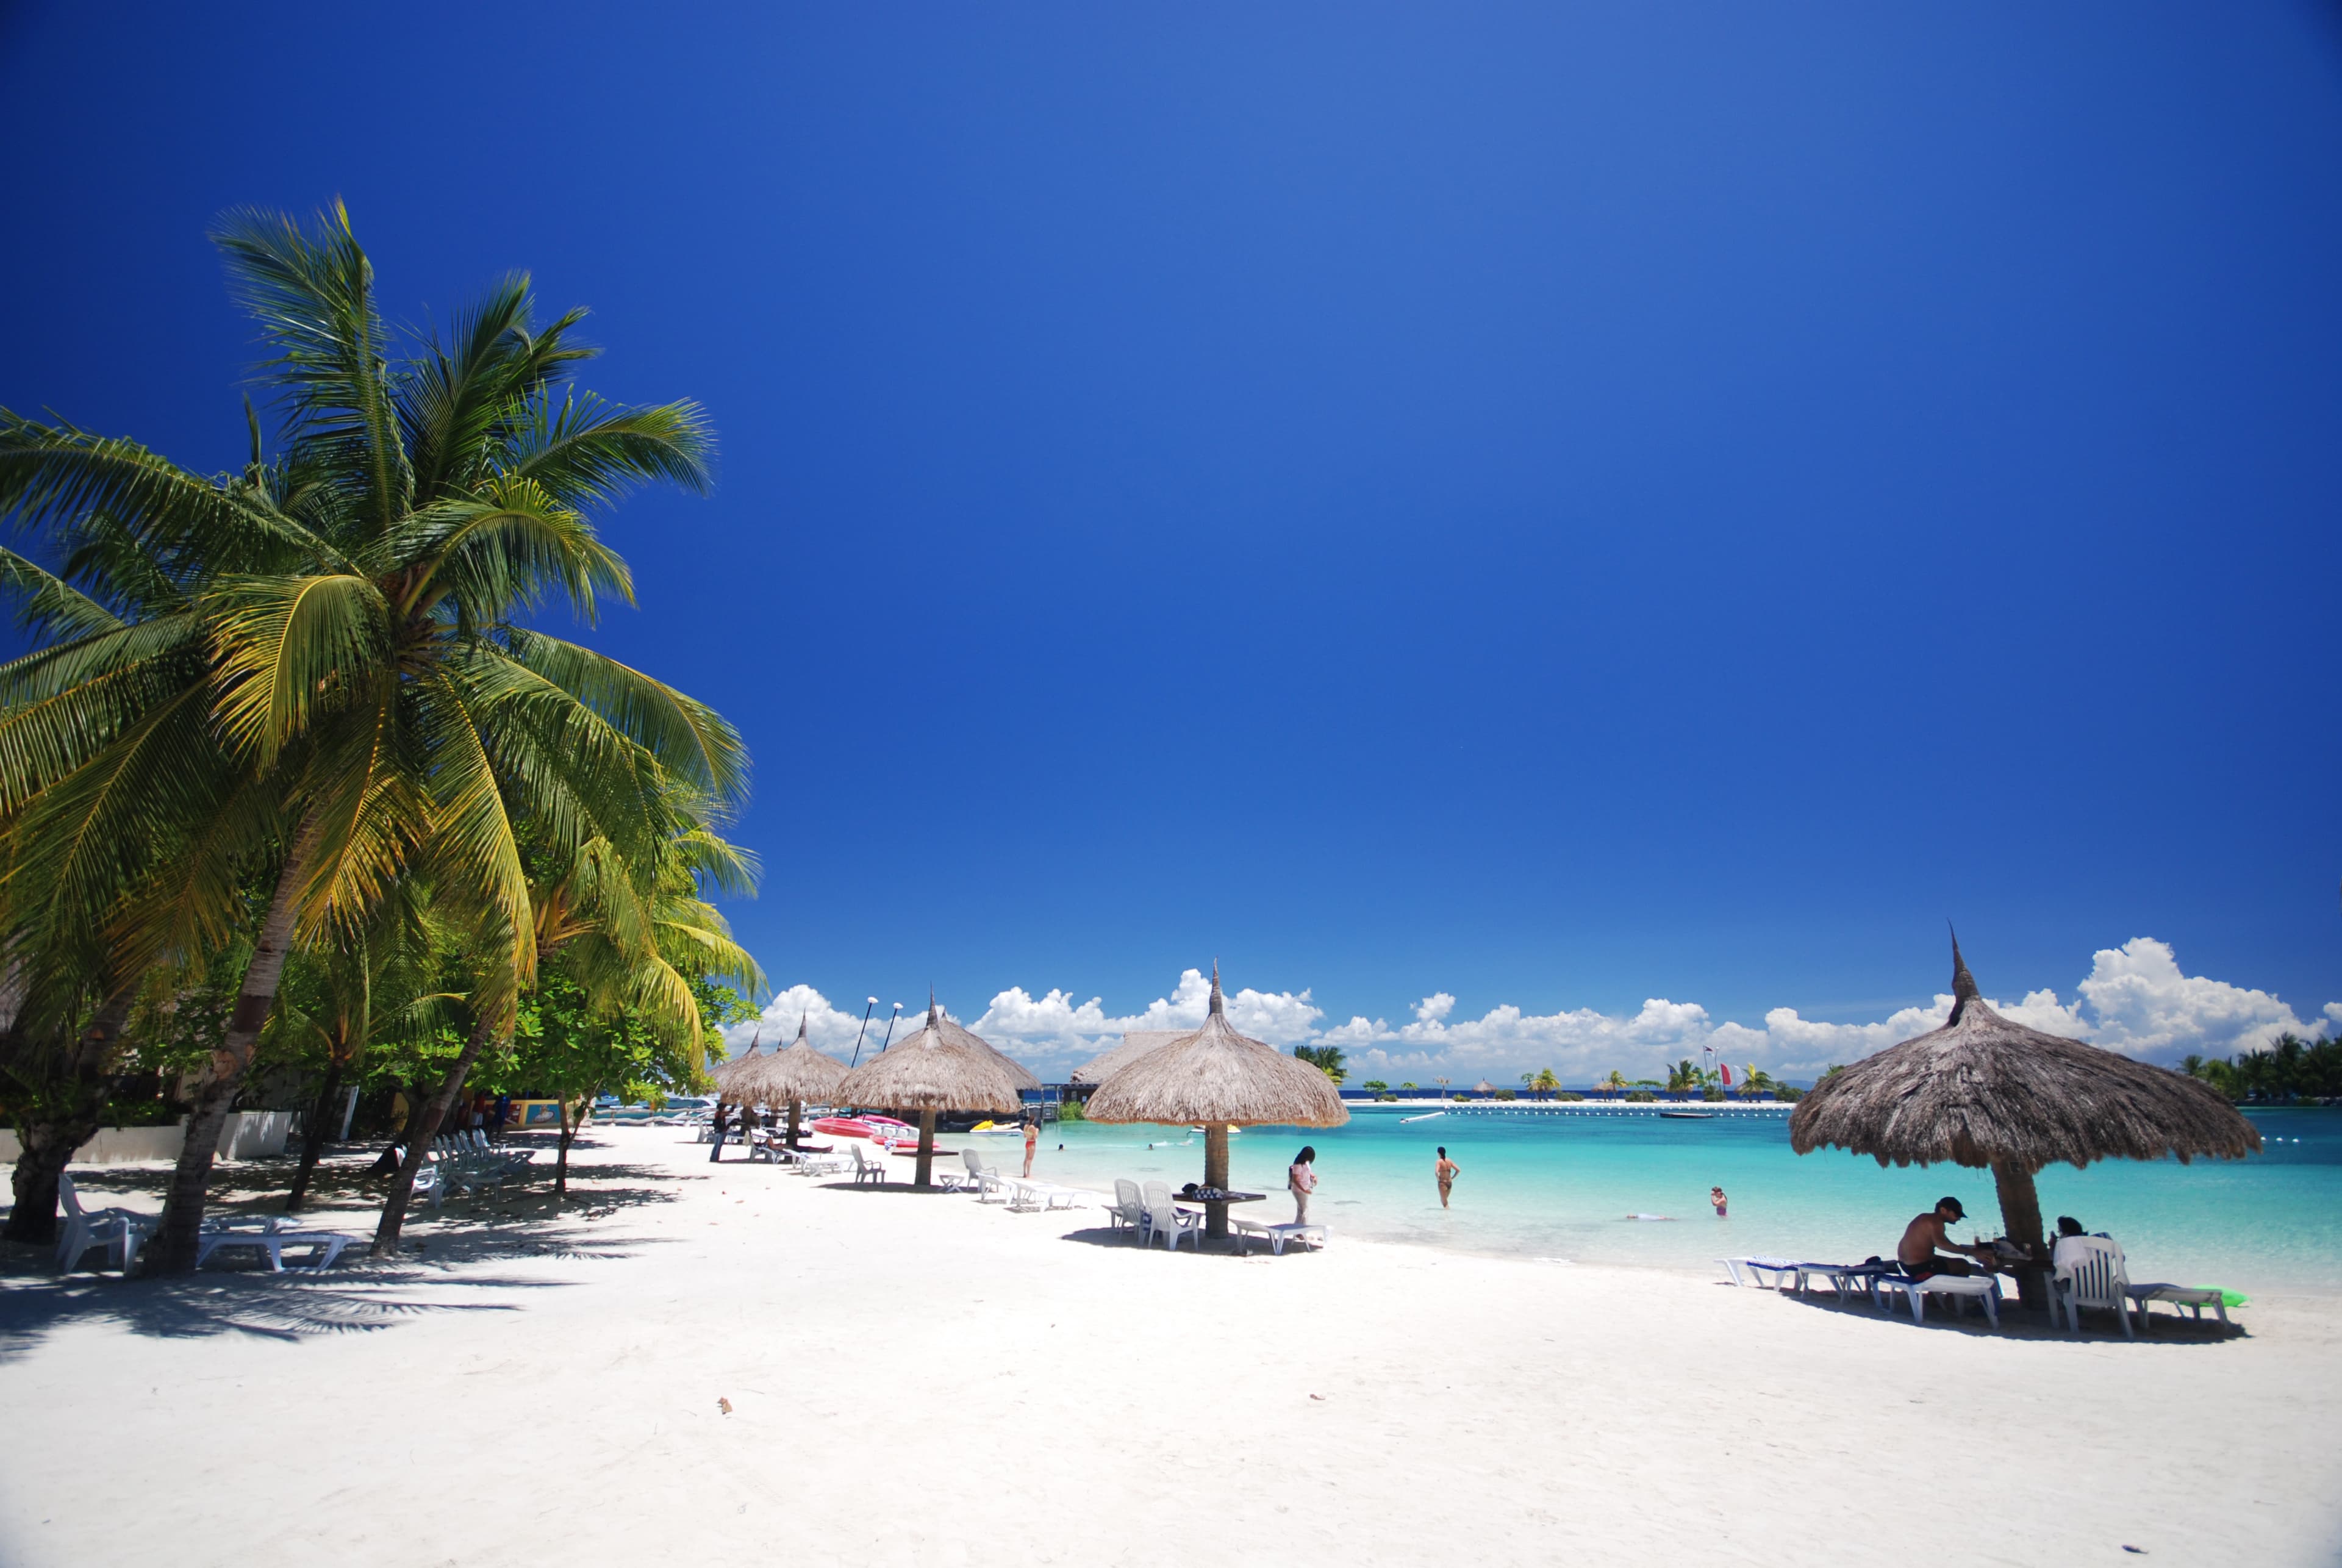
(1558, 1185)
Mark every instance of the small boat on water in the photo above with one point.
(1687, 1115)
(1426, 1116)
(997, 1129)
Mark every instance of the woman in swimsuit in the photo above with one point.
(1301, 1181)
(1447, 1171)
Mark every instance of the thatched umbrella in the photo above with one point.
(943, 1067)
(1221, 1079)
(1136, 1044)
(791, 1077)
(1984, 1092)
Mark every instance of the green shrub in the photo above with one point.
(1641, 1097)
(1787, 1096)
(1461, 1094)
(1711, 1093)
(1505, 1095)
(1391, 1097)
(1569, 1094)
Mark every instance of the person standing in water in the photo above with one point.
(1301, 1181)
(1447, 1171)
(1032, 1137)
(1716, 1197)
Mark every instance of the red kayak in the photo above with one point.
(842, 1127)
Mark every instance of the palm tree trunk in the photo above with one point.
(796, 1107)
(314, 1144)
(46, 1145)
(173, 1249)
(420, 1131)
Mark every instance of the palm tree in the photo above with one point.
(1326, 1059)
(1546, 1083)
(1617, 1080)
(320, 673)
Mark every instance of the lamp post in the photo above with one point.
(864, 1030)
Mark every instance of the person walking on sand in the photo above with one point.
(1301, 1181)
(1032, 1137)
(1447, 1171)
(1716, 1197)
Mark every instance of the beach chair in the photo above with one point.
(1984, 1289)
(2196, 1297)
(1276, 1235)
(1785, 1272)
(987, 1178)
(869, 1166)
(2088, 1272)
(1129, 1208)
(120, 1231)
(271, 1240)
(1172, 1224)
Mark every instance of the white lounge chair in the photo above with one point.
(1982, 1288)
(869, 1166)
(273, 1241)
(1172, 1224)
(987, 1178)
(1785, 1272)
(2088, 1272)
(120, 1231)
(1276, 1235)
(2196, 1297)
(1129, 1208)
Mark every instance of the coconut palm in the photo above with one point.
(320, 675)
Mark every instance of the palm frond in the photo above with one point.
(288, 649)
(48, 607)
(452, 400)
(586, 452)
(688, 738)
(312, 291)
(499, 550)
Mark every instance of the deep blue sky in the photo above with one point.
(1559, 505)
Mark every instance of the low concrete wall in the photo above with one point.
(245, 1135)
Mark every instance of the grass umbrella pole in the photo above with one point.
(1989, 1093)
(1218, 1078)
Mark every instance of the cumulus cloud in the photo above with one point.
(2136, 999)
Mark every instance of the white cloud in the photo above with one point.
(2135, 998)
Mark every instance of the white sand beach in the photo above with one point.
(918, 1379)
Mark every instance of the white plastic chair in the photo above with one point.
(867, 1165)
(2088, 1272)
(120, 1231)
(1129, 1208)
(1174, 1224)
(1982, 1288)
(987, 1178)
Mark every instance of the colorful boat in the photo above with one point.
(842, 1127)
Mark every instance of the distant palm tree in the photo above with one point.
(1617, 1080)
(1326, 1059)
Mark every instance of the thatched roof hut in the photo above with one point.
(1219, 1078)
(1984, 1092)
(1136, 1044)
(796, 1077)
(942, 1067)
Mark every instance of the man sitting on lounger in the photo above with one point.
(1916, 1251)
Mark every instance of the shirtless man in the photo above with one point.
(1447, 1171)
(1916, 1251)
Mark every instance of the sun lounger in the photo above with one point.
(120, 1231)
(272, 1242)
(1785, 1272)
(1276, 1235)
(2195, 1297)
(1984, 1288)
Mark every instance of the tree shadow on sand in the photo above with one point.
(237, 1294)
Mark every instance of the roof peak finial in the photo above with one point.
(1964, 985)
(931, 1003)
(801, 1020)
(1216, 1009)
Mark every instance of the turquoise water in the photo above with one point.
(1558, 1185)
